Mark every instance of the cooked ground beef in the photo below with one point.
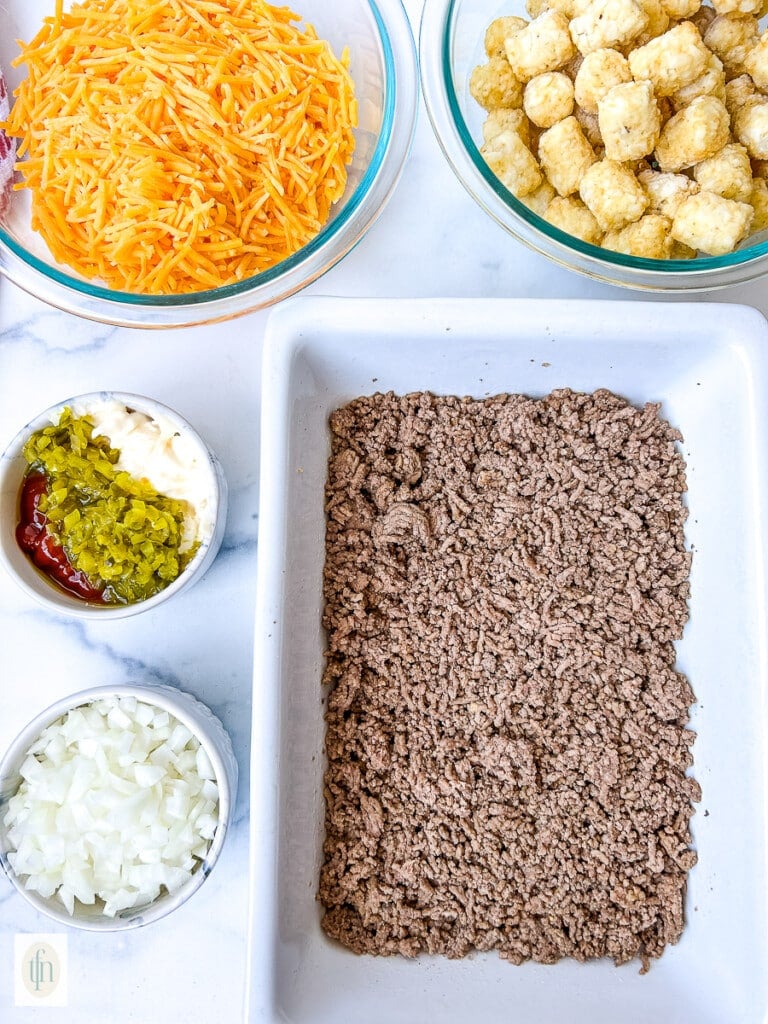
(505, 728)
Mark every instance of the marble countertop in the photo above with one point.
(431, 240)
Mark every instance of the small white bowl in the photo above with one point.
(13, 468)
(203, 724)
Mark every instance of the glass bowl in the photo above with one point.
(450, 46)
(215, 741)
(13, 467)
(384, 68)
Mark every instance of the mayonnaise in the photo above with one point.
(154, 449)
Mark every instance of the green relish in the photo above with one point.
(117, 530)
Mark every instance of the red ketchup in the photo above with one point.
(33, 538)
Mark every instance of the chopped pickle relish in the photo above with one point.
(115, 529)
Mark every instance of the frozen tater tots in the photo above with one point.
(648, 237)
(512, 163)
(599, 72)
(737, 92)
(565, 155)
(548, 98)
(758, 200)
(540, 198)
(693, 134)
(711, 82)
(543, 45)
(730, 37)
(505, 119)
(666, 191)
(756, 63)
(607, 24)
(613, 194)
(658, 21)
(682, 10)
(750, 126)
(710, 224)
(497, 32)
(737, 6)
(637, 125)
(629, 121)
(728, 173)
(494, 85)
(671, 61)
(569, 214)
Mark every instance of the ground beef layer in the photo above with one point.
(505, 727)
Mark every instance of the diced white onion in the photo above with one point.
(117, 803)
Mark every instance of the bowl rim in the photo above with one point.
(36, 584)
(437, 37)
(188, 710)
(337, 237)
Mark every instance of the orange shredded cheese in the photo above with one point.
(179, 145)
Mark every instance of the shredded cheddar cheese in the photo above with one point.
(179, 145)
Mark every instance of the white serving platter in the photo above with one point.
(708, 365)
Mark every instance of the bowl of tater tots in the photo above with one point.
(625, 139)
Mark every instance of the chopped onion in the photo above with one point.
(118, 802)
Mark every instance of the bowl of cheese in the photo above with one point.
(187, 163)
(623, 139)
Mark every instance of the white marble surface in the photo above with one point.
(430, 241)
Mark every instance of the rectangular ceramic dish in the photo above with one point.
(708, 365)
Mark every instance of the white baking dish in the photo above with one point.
(708, 364)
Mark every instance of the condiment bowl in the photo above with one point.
(214, 740)
(39, 586)
(383, 66)
(451, 45)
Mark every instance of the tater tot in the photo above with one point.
(758, 200)
(569, 214)
(737, 92)
(731, 37)
(666, 191)
(728, 173)
(565, 155)
(710, 224)
(607, 24)
(658, 21)
(540, 198)
(599, 72)
(497, 32)
(512, 163)
(711, 82)
(737, 6)
(682, 10)
(543, 45)
(613, 194)
(505, 119)
(671, 61)
(756, 63)
(629, 121)
(548, 98)
(693, 134)
(648, 237)
(750, 126)
(494, 85)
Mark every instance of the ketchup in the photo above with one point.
(33, 538)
